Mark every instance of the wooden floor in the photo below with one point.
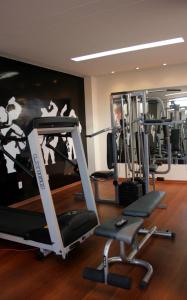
(22, 276)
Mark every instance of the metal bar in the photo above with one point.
(81, 160)
(45, 193)
(146, 162)
(124, 137)
(141, 244)
(114, 151)
(167, 234)
(144, 264)
(122, 251)
(130, 106)
(168, 158)
(146, 147)
(105, 258)
(98, 132)
(53, 130)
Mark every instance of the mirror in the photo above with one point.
(171, 104)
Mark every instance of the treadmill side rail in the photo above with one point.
(45, 193)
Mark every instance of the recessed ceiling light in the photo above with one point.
(164, 64)
(112, 72)
(137, 68)
(130, 49)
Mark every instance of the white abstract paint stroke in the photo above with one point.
(47, 152)
(8, 115)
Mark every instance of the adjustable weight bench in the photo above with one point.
(125, 229)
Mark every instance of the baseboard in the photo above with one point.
(172, 181)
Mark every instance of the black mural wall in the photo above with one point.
(26, 92)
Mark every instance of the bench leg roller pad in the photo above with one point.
(93, 274)
(119, 280)
(112, 278)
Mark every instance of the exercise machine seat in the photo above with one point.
(153, 168)
(144, 206)
(125, 233)
(102, 175)
(32, 225)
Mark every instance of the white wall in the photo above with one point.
(101, 88)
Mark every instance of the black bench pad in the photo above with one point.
(144, 206)
(125, 233)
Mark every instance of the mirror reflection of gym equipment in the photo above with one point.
(147, 137)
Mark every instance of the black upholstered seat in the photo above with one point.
(144, 206)
(102, 175)
(125, 233)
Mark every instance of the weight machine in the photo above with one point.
(131, 144)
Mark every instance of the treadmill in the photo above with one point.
(47, 231)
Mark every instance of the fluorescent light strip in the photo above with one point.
(130, 49)
(175, 94)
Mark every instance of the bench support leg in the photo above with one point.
(105, 259)
(147, 266)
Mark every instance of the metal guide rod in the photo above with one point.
(114, 151)
(130, 104)
(146, 162)
(138, 138)
(124, 137)
(146, 147)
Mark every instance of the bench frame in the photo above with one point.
(102, 273)
(127, 259)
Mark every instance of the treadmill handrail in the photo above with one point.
(52, 122)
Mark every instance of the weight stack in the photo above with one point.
(129, 192)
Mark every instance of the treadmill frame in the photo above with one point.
(56, 245)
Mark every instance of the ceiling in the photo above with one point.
(48, 33)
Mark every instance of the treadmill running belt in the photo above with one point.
(19, 221)
(32, 225)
